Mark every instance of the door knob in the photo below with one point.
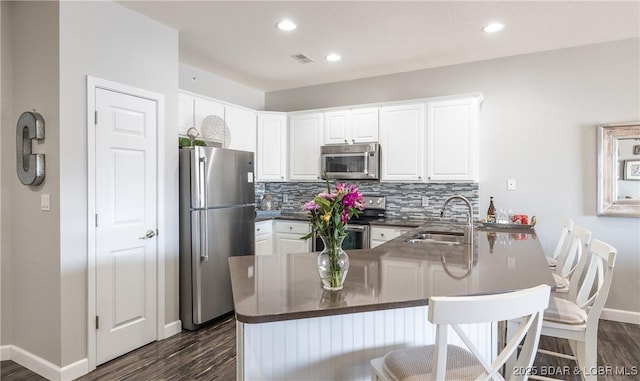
(149, 234)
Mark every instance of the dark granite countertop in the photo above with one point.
(303, 216)
(396, 274)
(299, 216)
(399, 222)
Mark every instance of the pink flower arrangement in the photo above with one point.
(329, 211)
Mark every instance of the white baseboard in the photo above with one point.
(5, 352)
(620, 316)
(171, 329)
(74, 370)
(45, 368)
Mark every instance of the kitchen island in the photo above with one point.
(289, 328)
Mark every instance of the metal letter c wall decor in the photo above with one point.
(30, 166)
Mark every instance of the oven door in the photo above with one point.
(357, 238)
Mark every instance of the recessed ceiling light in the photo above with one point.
(333, 57)
(493, 27)
(286, 25)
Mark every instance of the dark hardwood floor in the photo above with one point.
(210, 354)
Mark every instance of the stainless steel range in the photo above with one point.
(358, 228)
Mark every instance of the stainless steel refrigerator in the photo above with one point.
(217, 216)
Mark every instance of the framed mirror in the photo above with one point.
(619, 170)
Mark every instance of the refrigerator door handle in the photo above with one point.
(204, 241)
(202, 181)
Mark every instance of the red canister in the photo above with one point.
(520, 219)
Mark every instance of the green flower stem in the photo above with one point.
(335, 272)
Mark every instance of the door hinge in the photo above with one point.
(96, 219)
(95, 117)
(97, 322)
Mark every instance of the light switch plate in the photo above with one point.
(285, 198)
(45, 202)
(425, 201)
(511, 184)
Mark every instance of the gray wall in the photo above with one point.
(30, 238)
(538, 126)
(5, 118)
(108, 41)
(214, 86)
(44, 254)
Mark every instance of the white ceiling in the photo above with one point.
(238, 39)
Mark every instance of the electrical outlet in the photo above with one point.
(45, 202)
(425, 201)
(511, 184)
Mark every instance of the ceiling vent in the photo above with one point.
(300, 57)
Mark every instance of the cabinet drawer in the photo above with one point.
(384, 234)
(264, 228)
(293, 227)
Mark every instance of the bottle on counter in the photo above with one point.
(491, 212)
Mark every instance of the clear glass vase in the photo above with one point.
(333, 263)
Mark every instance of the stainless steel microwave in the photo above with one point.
(351, 161)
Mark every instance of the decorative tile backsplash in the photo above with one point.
(404, 200)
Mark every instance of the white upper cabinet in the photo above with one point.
(351, 126)
(364, 125)
(192, 109)
(452, 128)
(240, 131)
(242, 127)
(305, 139)
(402, 142)
(336, 127)
(185, 113)
(271, 153)
(203, 108)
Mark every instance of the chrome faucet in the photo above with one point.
(468, 228)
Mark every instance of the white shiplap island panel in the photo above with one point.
(288, 328)
(338, 347)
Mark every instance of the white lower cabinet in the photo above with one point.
(264, 237)
(380, 235)
(288, 234)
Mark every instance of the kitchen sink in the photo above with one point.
(451, 238)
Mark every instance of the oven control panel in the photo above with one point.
(375, 202)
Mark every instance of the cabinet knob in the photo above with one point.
(381, 234)
(258, 229)
(290, 227)
(281, 177)
(345, 141)
(353, 141)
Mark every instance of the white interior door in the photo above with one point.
(126, 208)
